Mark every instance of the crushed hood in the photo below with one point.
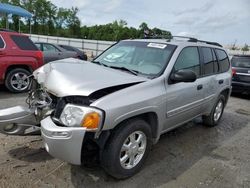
(75, 77)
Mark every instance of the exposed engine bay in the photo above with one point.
(41, 104)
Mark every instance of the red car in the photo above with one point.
(19, 57)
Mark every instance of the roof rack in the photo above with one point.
(212, 43)
(191, 39)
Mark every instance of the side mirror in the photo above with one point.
(183, 76)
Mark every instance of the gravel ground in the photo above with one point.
(190, 156)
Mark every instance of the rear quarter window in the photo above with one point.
(223, 60)
(24, 43)
(1, 42)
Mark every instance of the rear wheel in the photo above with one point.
(17, 80)
(127, 149)
(216, 113)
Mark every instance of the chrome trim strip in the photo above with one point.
(189, 106)
(244, 74)
(184, 108)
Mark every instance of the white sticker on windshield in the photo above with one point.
(157, 45)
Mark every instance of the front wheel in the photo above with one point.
(127, 149)
(216, 113)
(17, 80)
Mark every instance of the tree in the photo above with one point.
(234, 46)
(52, 9)
(143, 26)
(48, 19)
(73, 22)
(245, 48)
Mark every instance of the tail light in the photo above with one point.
(39, 56)
(233, 71)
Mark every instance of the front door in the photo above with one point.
(184, 100)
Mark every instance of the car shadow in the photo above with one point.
(176, 152)
(26, 153)
(5, 94)
(241, 95)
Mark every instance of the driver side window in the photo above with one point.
(189, 59)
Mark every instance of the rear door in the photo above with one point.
(51, 53)
(223, 76)
(209, 71)
(184, 100)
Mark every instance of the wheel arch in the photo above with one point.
(150, 117)
(90, 143)
(226, 93)
(12, 67)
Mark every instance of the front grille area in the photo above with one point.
(59, 103)
(59, 108)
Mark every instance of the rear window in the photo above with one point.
(243, 62)
(222, 60)
(1, 42)
(24, 43)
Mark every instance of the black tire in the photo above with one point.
(110, 158)
(10, 76)
(210, 120)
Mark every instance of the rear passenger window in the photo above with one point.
(23, 42)
(49, 47)
(208, 61)
(1, 42)
(222, 60)
(189, 59)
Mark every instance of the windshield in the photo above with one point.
(145, 58)
(243, 62)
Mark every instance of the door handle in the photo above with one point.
(2, 53)
(221, 81)
(199, 87)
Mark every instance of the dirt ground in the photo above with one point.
(190, 156)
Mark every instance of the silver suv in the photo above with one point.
(116, 107)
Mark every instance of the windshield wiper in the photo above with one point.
(99, 63)
(134, 72)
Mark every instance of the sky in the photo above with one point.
(223, 21)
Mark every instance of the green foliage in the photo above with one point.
(245, 48)
(49, 19)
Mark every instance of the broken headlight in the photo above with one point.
(80, 116)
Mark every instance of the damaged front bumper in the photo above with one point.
(63, 142)
(19, 120)
(22, 121)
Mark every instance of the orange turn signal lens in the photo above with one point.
(91, 120)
